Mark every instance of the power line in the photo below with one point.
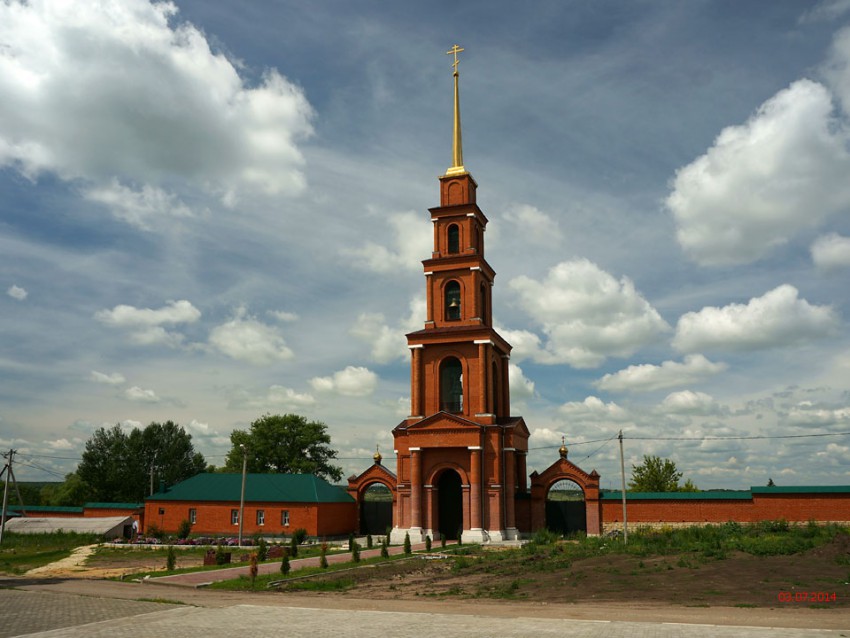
(733, 438)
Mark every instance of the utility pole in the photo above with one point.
(623, 492)
(9, 474)
(153, 464)
(242, 498)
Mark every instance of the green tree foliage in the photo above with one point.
(407, 547)
(658, 475)
(73, 492)
(170, 558)
(288, 444)
(116, 465)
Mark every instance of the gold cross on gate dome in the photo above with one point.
(454, 51)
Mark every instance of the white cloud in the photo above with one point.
(762, 182)
(115, 378)
(545, 436)
(412, 239)
(521, 386)
(16, 292)
(587, 314)
(807, 413)
(196, 428)
(121, 90)
(670, 374)
(525, 344)
(145, 324)
(689, 402)
(137, 207)
(276, 397)
(836, 70)
(388, 343)
(60, 444)
(247, 339)
(593, 409)
(282, 315)
(141, 395)
(777, 318)
(826, 10)
(534, 225)
(831, 251)
(353, 381)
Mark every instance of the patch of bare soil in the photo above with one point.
(117, 563)
(816, 578)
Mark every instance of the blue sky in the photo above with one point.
(211, 211)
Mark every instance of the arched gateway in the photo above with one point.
(561, 470)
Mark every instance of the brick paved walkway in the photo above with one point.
(249, 621)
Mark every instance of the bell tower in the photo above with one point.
(461, 456)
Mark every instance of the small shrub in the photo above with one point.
(545, 536)
(284, 564)
(220, 557)
(323, 556)
(427, 543)
(254, 569)
(459, 536)
(407, 548)
(368, 541)
(184, 529)
(262, 549)
(293, 547)
(385, 553)
(355, 552)
(170, 558)
(152, 530)
(299, 535)
(443, 541)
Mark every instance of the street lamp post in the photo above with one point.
(242, 498)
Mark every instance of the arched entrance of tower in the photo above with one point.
(565, 508)
(449, 508)
(376, 510)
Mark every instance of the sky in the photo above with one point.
(214, 211)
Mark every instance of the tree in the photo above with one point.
(287, 444)
(655, 475)
(74, 491)
(116, 466)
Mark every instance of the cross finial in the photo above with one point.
(454, 51)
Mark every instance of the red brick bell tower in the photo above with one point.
(461, 456)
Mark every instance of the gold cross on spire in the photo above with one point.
(454, 51)
(457, 146)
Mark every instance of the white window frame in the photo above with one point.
(234, 517)
(193, 515)
(261, 517)
(284, 518)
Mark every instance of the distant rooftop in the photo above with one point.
(266, 488)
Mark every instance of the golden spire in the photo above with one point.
(457, 145)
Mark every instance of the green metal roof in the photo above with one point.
(264, 488)
(720, 495)
(802, 489)
(47, 508)
(113, 506)
(713, 495)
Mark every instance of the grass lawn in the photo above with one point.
(22, 552)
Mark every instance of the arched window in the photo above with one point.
(495, 407)
(451, 385)
(452, 299)
(454, 238)
(482, 300)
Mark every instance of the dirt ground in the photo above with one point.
(819, 578)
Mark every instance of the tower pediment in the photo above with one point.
(441, 421)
